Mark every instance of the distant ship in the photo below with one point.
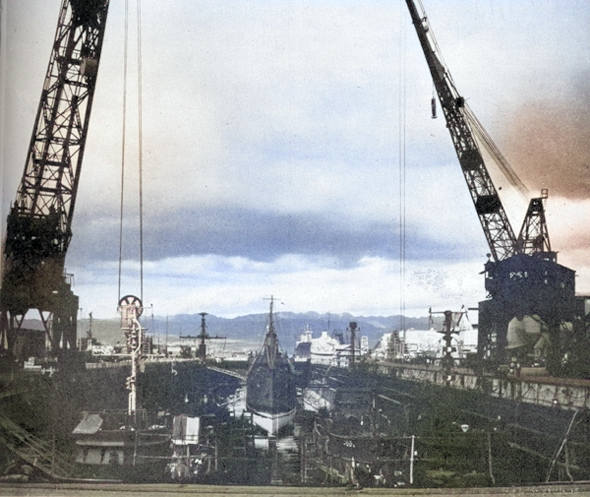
(271, 395)
(412, 344)
(327, 350)
(303, 345)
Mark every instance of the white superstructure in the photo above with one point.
(409, 344)
(328, 350)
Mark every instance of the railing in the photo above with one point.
(545, 391)
(228, 372)
(38, 453)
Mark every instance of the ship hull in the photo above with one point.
(271, 394)
(272, 423)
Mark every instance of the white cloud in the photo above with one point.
(567, 222)
(234, 286)
(292, 107)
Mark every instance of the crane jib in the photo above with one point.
(496, 226)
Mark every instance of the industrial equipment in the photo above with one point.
(39, 222)
(522, 276)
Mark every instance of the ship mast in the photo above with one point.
(271, 343)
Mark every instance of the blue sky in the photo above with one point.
(272, 137)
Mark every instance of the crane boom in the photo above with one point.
(39, 223)
(497, 229)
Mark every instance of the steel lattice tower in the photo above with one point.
(39, 223)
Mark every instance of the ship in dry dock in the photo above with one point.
(271, 395)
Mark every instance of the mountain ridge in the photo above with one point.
(252, 327)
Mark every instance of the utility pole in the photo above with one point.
(166, 344)
(412, 449)
(352, 326)
(130, 308)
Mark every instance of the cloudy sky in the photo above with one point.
(275, 135)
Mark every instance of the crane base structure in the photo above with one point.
(533, 315)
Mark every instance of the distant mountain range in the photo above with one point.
(251, 328)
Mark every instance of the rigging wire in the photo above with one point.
(140, 144)
(123, 144)
(402, 170)
(495, 153)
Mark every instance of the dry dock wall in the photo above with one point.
(541, 391)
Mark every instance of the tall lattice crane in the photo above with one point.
(39, 223)
(523, 277)
(464, 128)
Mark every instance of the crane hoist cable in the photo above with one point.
(123, 144)
(139, 143)
(481, 134)
(402, 169)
